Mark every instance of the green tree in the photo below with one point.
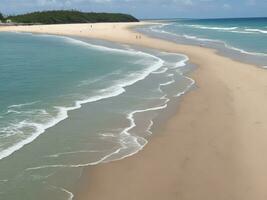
(70, 16)
(1, 17)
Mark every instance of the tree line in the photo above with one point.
(68, 16)
(1, 17)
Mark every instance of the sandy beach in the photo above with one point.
(213, 148)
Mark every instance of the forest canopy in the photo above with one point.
(64, 17)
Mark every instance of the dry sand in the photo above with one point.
(214, 148)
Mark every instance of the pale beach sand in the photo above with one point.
(214, 148)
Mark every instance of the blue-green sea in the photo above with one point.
(244, 39)
(66, 103)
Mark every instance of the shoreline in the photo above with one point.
(211, 141)
(222, 48)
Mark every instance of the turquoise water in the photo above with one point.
(244, 38)
(34, 89)
(67, 103)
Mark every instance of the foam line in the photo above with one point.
(125, 136)
(188, 87)
(163, 70)
(211, 40)
(256, 30)
(70, 194)
(213, 27)
(72, 152)
(23, 104)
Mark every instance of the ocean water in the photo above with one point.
(244, 39)
(66, 103)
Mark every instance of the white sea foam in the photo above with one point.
(209, 40)
(70, 194)
(24, 112)
(71, 152)
(225, 44)
(104, 48)
(181, 63)
(40, 128)
(107, 134)
(161, 71)
(167, 83)
(149, 127)
(243, 51)
(216, 41)
(200, 39)
(188, 87)
(256, 30)
(12, 129)
(23, 104)
(170, 75)
(126, 140)
(101, 78)
(12, 111)
(245, 32)
(213, 27)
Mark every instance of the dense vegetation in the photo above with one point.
(64, 17)
(1, 17)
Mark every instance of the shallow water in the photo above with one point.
(67, 103)
(242, 39)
